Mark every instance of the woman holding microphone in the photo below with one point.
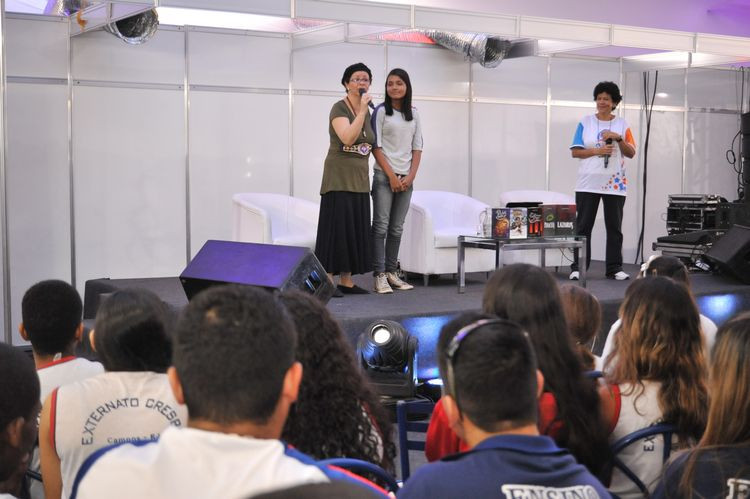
(344, 242)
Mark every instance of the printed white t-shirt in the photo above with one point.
(593, 176)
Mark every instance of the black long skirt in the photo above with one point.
(344, 241)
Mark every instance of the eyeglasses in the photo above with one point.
(359, 80)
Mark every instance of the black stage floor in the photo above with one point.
(423, 310)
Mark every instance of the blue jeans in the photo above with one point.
(388, 213)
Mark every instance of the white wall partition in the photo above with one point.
(37, 166)
(129, 182)
(160, 136)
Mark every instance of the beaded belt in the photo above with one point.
(363, 148)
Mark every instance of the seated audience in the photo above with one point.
(491, 385)
(660, 376)
(51, 314)
(19, 408)
(720, 465)
(666, 266)
(584, 317)
(336, 414)
(569, 406)
(131, 401)
(234, 367)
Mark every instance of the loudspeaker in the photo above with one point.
(269, 266)
(731, 253)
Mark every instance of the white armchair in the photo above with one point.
(433, 224)
(275, 219)
(553, 258)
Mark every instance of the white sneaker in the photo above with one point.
(381, 284)
(574, 276)
(619, 276)
(396, 282)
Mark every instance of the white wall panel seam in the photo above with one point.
(684, 126)
(127, 84)
(548, 111)
(470, 155)
(3, 185)
(71, 164)
(290, 115)
(186, 119)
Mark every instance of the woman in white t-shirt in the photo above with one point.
(131, 401)
(602, 142)
(660, 376)
(397, 151)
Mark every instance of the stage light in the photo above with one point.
(387, 354)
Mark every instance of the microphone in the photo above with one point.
(372, 106)
(606, 158)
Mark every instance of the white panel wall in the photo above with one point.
(508, 149)
(433, 71)
(38, 179)
(524, 78)
(575, 79)
(239, 142)
(310, 136)
(706, 170)
(129, 164)
(100, 56)
(238, 60)
(321, 68)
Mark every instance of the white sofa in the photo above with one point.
(433, 224)
(275, 219)
(553, 258)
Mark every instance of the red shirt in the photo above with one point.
(441, 440)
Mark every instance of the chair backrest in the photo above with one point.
(359, 466)
(544, 197)
(449, 209)
(404, 409)
(285, 214)
(664, 429)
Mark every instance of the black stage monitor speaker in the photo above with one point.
(269, 266)
(731, 253)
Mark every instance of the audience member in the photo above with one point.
(130, 402)
(336, 414)
(51, 314)
(584, 317)
(660, 376)
(234, 368)
(19, 408)
(569, 406)
(720, 465)
(506, 454)
(666, 266)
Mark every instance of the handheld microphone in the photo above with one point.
(606, 158)
(372, 106)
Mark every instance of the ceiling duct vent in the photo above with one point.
(488, 51)
(134, 30)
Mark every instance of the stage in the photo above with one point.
(423, 310)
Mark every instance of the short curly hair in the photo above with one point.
(610, 88)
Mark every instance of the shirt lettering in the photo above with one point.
(514, 491)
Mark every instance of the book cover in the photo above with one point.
(500, 222)
(549, 216)
(566, 220)
(518, 223)
(536, 226)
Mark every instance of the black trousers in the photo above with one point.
(587, 204)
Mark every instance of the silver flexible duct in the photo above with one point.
(489, 51)
(134, 30)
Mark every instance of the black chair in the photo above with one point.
(664, 429)
(403, 410)
(360, 466)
